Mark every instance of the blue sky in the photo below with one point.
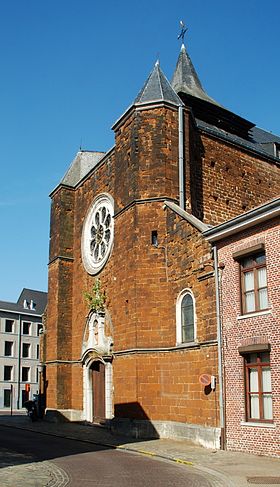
(70, 68)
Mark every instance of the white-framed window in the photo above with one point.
(185, 317)
(9, 326)
(26, 350)
(25, 374)
(98, 234)
(8, 372)
(26, 328)
(8, 350)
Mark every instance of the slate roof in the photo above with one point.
(39, 299)
(213, 118)
(185, 79)
(258, 140)
(81, 165)
(157, 88)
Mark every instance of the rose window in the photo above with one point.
(97, 236)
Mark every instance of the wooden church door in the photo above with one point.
(98, 390)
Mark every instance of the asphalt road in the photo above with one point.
(92, 465)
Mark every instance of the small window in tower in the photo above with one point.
(154, 238)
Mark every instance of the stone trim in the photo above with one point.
(252, 249)
(61, 257)
(254, 347)
(140, 202)
(195, 222)
(177, 348)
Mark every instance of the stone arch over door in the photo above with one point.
(97, 370)
(97, 389)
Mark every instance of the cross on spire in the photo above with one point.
(183, 31)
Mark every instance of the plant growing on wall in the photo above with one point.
(95, 298)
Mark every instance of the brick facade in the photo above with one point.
(245, 330)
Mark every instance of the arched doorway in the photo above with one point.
(97, 370)
(98, 391)
(97, 388)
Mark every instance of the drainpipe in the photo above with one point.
(19, 359)
(219, 338)
(181, 157)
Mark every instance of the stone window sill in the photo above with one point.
(258, 425)
(253, 315)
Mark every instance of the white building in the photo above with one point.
(20, 325)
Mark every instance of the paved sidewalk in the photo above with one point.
(222, 469)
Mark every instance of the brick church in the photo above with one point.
(132, 335)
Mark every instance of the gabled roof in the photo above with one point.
(185, 79)
(27, 298)
(81, 165)
(157, 88)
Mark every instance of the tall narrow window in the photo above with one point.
(258, 387)
(9, 326)
(8, 369)
(8, 349)
(7, 398)
(26, 328)
(254, 283)
(185, 317)
(26, 350)
(25, 373)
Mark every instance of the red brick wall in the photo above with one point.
(239, 332)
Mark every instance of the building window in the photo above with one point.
(26, 327)
(185, 317)
(254, 283)
(8, 369)
(98, 234)
(25, 372)
(8, 349)
(258, 387)
(37, 352)
(9, 326)
(39, 328)
(277, 150)
(26, 350)
(7, 398)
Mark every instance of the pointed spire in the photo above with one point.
(185, 78)
(157, 88)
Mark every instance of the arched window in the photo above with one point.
(185, 317)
